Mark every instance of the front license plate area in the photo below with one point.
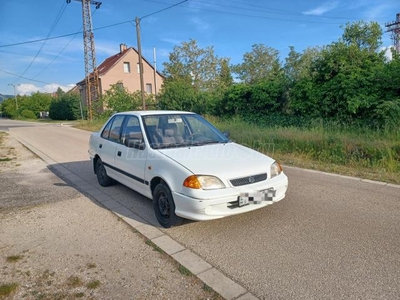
(256, 197)
(242, 201)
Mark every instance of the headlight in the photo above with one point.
(276, 169)
(204, 182)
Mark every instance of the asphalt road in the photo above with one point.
(332, 237)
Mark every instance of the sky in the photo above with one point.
(41, 42)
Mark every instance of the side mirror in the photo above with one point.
(134, 143)
(226, 134)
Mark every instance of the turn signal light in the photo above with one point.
(192, 182)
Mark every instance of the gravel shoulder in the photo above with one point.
(57, 244)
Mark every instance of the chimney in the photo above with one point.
(122, 48)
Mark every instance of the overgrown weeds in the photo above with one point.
(372, 154)
(7, 289)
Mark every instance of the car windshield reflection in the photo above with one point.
(180, 130)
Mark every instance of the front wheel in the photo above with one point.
(164, 206)
(101, 173)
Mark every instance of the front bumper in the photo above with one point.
(227, 204)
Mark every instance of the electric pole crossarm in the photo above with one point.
(394, 28)
(91, 2)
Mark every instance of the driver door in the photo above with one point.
(131, 161)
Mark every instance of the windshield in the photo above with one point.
(180, 130)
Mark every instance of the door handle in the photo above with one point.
(101, 146)
(119, 153)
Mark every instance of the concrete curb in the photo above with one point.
(208, 274)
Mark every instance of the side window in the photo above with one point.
(106, 131)
(115, 129)
(131, 129)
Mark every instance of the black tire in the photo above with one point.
(101, 173)
(164, 206)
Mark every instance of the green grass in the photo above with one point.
(91, 265)
(94, 125)
(94, 284)
(7, 289)
(14, 258)
(74, 281)
(184, 271)
(80, 295)
(207, 288)
(366, 153)
(154, 246)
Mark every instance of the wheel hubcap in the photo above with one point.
(163, 205)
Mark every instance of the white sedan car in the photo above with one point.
(185, 165)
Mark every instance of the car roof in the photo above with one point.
(154, 112)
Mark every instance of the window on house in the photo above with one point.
(138, 68)
(149, 88)
(127, 67)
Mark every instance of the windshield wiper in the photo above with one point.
(200, 143)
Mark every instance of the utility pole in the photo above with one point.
(140, 62)
(155, 71)
(91, 72)
(15, 97)
(140, 47)
(394, 28)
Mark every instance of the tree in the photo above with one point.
(37, 102)
(387, 111)
(9, 108)
(200, 65)
(299, 65)
(66, 106)
(195, 79)
(262, 63)
(225, 75)
(118, 98)
(179, 94)
(364, 35)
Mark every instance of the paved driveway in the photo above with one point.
(330, 238)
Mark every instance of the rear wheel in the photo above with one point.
(164, 206)
(101, 173)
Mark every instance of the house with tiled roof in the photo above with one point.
(123, 68)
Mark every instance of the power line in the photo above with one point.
(254, 16)
(266, 9)
(50, 32)
(26, 78)
(59, 53)
(263, 17)
(163, 9)
(64, 35)
(190, 7)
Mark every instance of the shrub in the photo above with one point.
(28, 114)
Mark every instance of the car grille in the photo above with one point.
(249, 179)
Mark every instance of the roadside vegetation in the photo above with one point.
(7, 154)
(334, 108)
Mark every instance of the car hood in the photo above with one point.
(229, 160)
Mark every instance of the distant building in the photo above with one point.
(123, 68)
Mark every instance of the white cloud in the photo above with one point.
(199, 23)
(323, 8)
(28, 88)
(107, 48)
(171, 41)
